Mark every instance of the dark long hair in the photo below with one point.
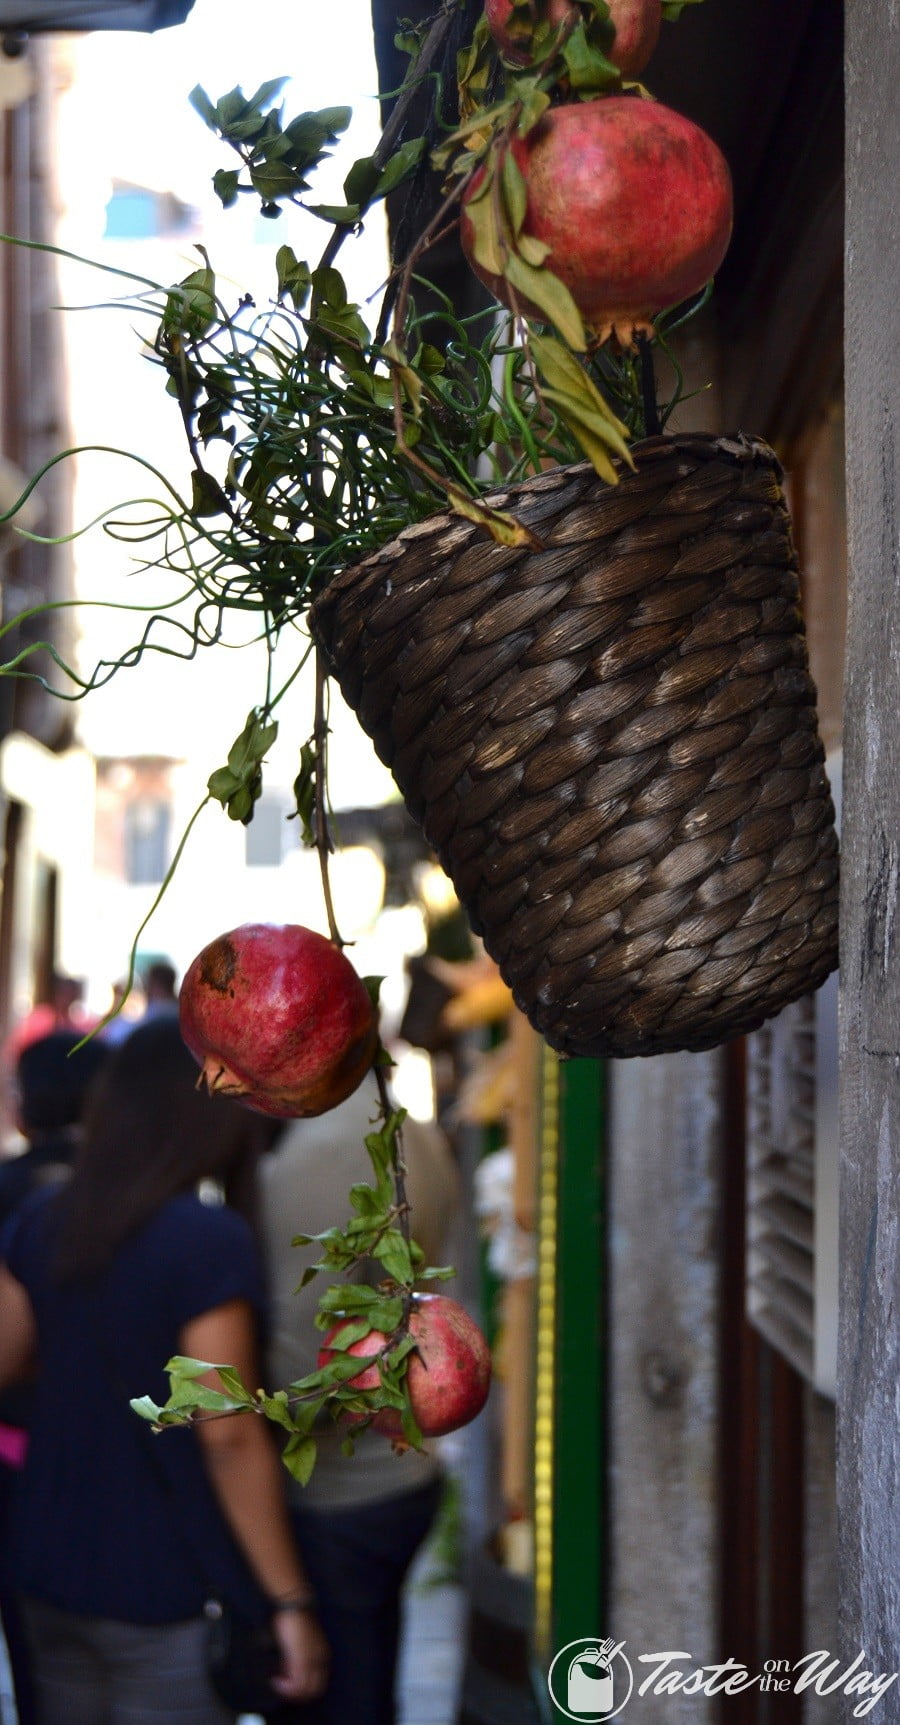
(149, 1133)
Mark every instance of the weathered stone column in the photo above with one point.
(869, 1371)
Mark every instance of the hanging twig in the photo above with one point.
(421, 68)
(402, 1201)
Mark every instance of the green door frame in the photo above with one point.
(570, 1436)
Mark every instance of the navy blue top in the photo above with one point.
(98, 1518)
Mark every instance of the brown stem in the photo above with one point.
(406, 270)
(323, 842)
(402, 1201)
(418, 71)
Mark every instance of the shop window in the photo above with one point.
(268, 834)
(147, 822)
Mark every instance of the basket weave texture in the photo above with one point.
(611, 743)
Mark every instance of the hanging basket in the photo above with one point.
(611, 743)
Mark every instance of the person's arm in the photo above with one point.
(247, 1478)
(18, 1331)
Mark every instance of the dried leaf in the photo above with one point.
(505, 529)
(487, 241)
(551, 296)
(579, 403)
(532, 250)
(515, 192)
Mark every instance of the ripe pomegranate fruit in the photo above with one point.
(636, 23)
(448, 1378)
(277, 1017)
(634, 202)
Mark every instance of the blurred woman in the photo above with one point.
(360, 1520)
(120, 1536)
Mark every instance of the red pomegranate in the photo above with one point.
(277, 1017)
(636, 24)
(448, 1378)
(634, 202)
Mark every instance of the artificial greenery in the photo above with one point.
(315, 435)
(375, 1240)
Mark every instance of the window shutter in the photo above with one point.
(792, 1178)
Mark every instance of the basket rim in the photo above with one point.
(740, 448)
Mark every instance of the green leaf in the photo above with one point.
(225, 185)
(410, 1426)
(311, 134)
(385, 1314)
(432, 362)
(267, 93)
(367, 1203)
(222, 784)
(393, 1252)
(146, 1408)
(238, 786)
(534, 107)
(299, 1457)
(340, 215)
(273, 180)
(230, 108)
(253, 744)
(550, 295)
(294, 277)
(305, 794)
(588, 68)
(233, 1385)
(277, 1410)
(352, 1297)
(361, 181)
(406, 40)
(410, 380)
(191, 1397)
(350, 1333)
(190, 307)
(329, 288)
(515, 192)
(183, 1366)
(332, 121)
(202, 105)
(400, 165)
(207, 496)
(305, 1414)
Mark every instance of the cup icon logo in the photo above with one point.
(590, 1680)
(590, 1686)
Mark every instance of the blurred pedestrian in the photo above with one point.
(63, 1009)
(124, 1005)
(160, 993)
(360, 1520)
(120, 1536)
(51, 1083)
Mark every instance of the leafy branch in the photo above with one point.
(374, 1241)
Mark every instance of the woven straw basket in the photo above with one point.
(611, 743)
